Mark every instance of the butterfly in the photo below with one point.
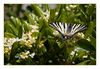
(67, 30)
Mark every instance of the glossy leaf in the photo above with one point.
(86, 45)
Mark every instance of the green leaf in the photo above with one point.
(20, 33)
(52, 16)
(87, 62)
(26, 26)
(18, 23)
(13, 30)
(45, 7)
(93, 41)
(37, 10)
(86, 45)
(91, 9)
(9, 35)
(84, 62)
(14, 51)
(13, 21)
(90, 28)
(30, 18)
(13, 26)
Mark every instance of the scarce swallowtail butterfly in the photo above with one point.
(67, 30)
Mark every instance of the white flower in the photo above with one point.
(72, 53)
(32, 55)
(8, 42)
(81, 35)
(85, 56)
(88, 39)
(34, 17)
(17, 39)
(12, 17)
(27, 52)
(27, 39)
(56, 33)
(50, 61)
(24, 55)
(73, 62)
(47, 14)
(76, 49)
(34, 28)
(17, 19)
(72, 6)
(41, 45)
(56, 13)
(68, 8)
(6, 50)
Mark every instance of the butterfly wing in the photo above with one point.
(77, 28)
(58, 26)
(67, 29)
(62, 28)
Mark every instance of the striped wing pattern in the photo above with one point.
(67, 29)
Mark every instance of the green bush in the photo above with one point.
(29, 40)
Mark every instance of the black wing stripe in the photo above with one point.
(67, 29)
(55, 27)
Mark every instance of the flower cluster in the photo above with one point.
(70, 7)
(41, 44)
(47, 15)
(24, 55)
(8, 42)
(81, 35)
(74, 52)
(56, 33)
(27, 40)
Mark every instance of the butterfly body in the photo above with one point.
(67, 30)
